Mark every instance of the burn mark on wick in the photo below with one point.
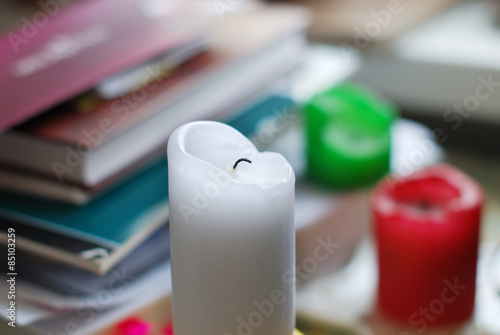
(241, 160)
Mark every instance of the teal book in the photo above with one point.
(97, 236)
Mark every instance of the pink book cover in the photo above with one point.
(79, 46)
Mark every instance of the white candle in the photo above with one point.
(232, 232)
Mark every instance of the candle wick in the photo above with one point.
(241, 160)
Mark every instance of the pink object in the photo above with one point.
(50, 60)
(133, 326)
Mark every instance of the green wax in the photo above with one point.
(348, 136)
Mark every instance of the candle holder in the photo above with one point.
(348, 136)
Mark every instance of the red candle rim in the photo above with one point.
(457, 192)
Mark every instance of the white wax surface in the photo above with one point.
(232, 234)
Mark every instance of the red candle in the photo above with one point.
(427, 232)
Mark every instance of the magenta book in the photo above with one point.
(85, 42)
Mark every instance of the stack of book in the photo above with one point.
(86, 109)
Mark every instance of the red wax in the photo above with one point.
(427, 232)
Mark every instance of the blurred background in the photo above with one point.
(352, 93)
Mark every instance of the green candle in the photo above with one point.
(348, 136)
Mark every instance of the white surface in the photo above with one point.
(487, 312)
(343, 296)
(439, 64)
(413, 147)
